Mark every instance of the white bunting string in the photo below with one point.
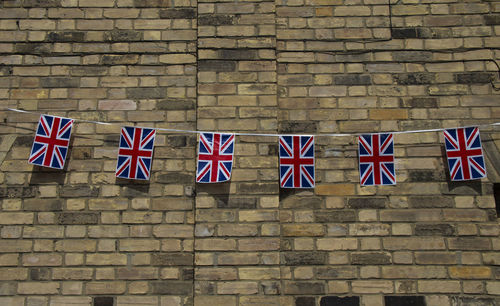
(267, 135)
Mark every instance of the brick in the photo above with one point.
(304, 258)
(113, 287)
(38, 288)
(304, 288)
(406, 243)
(438, 286)
(256, 244)
(72, 273)
(339, 216)
(409, 272)
(77, 218)
(136, 245)
(174, 13)
(138, 273)
(366, 202)
(76, 245)
(388, 114)
(8, 218)
(106, 259)
(79, 191)
(173, 231)
(172, 287)
(470, 272)
(172, 259)
(469, 243)
(375, 286)
(215, 20)
(13, 274)
(370, 258)
(336, 272)
(228, 258)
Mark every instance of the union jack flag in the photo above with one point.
(464, 153)
(297, 161)
(135, 154)
(215, 157)
(51, 143)
(376, 159)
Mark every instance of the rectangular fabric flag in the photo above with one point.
(51, 143)
(376, 159)
(215, 157)
(135, 153)
(297, 161)
(464, 153)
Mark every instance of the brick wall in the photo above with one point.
(83, 237)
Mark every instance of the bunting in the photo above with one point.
(296, 153)
(297, 161)
(376, 159)
(215, 158)
(135, 153)
(51, 142)
(464, 153)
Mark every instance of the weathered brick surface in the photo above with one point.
(80, 236)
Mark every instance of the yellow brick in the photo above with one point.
(470, 272)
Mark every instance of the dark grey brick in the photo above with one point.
(366, 202)
(304, 258)
(68, 36)
(411, 56)
(151, 3)
(215, 20)
(305, 301)
(370, 258)
(492, 19)
(355, 79)
(59, 82)
(172, 287)
(237, 54)
(304, 288)
(42, 204)
(120, 59)
(122, 35)
(336, 272)
(176, 104)
(426, 175)
(298, 127)
(77, 218)
(474, 78)
(146, 93)
(335, 216)
(216, 65)
(33, 48)
(41, 3)
(79, 191)
(418, 78)
(178, 13)
(404, 33)
(172, 259)
(431, 202)
(434, 230)
(420, 102)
